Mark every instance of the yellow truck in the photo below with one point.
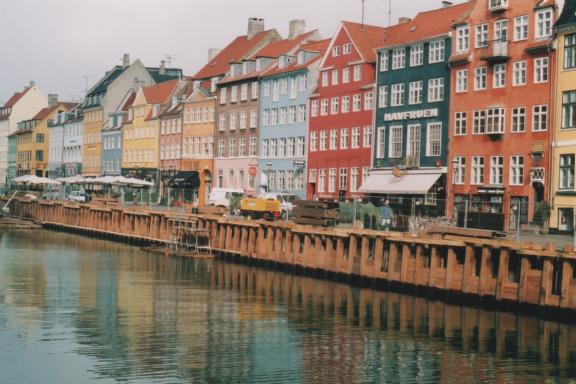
(261, 208)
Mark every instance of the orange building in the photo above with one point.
(502, 89)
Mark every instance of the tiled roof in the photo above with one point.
(45, 112)
(366, 38)
(316, 46)
(281, 47)
(15, 97)
(427, 24)
(129, 102)
(108, 78)
(159, 93)
(568, 15)
(235, 51)
(319, 47)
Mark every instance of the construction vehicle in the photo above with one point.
(261, 208)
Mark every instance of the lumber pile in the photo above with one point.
(320, 213)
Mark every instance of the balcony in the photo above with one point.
(537, 175)
(495, 52)
(497, 6)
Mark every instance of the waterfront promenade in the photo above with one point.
(493, 269)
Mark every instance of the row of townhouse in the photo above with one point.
(465, 111)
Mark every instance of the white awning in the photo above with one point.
(403, 184)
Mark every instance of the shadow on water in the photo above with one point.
(146, 318)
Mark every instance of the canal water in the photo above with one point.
(80, 310)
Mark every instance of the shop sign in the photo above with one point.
(420, 114)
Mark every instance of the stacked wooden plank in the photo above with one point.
(322, 213)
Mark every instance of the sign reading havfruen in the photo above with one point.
(420, 114)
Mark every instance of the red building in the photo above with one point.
(501, 110)
(341, 113)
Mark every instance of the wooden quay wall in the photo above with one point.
(498, 270)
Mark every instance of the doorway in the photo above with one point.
(566, 220)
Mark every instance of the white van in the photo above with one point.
(221, 197)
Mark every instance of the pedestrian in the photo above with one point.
(386, 215)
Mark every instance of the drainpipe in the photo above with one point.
(552, 120)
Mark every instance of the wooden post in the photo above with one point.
(449, 271)
(502, 273)
(546, 283)
(524, 272)
(566, 279)
(468, 269)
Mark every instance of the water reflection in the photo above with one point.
(80, 309)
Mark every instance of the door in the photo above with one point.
(565, 219)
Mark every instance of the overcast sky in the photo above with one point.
(58, 42)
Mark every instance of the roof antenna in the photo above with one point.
(363, 9)
(389, 13)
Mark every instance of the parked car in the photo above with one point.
(78, 196)
(51, 193)
(221, 197)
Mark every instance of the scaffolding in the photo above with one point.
(187, 238)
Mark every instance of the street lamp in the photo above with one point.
(455, 162)
(268, 170)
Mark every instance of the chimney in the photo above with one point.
(52, 100)
(162, 69)
(297, 27)
(32, 83)
(404, 20)
(213, 52)
(446, 4)
(126, 60)
(255, 25)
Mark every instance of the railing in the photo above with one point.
(495, 50)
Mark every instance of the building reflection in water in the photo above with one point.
(143, 316)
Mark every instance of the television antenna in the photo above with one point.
(169, 59)
(86, 78)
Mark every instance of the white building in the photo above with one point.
(73, 142)
(56, 144)
(21, 106)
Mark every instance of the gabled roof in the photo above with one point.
(366, 38)
(45, 112)
(317, 46)
(15, 98)
(108, 78)
(281, 47)
(568, 15)
(159, 93)
(235, 51)
(427, 25)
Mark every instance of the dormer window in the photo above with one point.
(196, 84)
(497, 5)
(154, 110)
(301, 56)
(213, 84)
(283, 61)
(544, 23)
(245, 67)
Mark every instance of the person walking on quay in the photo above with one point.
(386, 215)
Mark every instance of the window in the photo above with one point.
(333, 139)
(519, 75)
(383, 96)
(323, 139)
(416, 55)
(325, 81)
(222, 123)
(480, 78)
(336, 51)
(518, 119)
(540, 118)
(253, 146)
(415, 92)
(265, 148)
(395, 149)
(459, 170)
(281, 147)
(234, 94)
(434, 139)
(324, 107)
(332, 180)
(397, 95)
(481, 35)
(477, 170)
(244, 92)
(283, 115)
(293, 87)
(413, 144)
(496, 170)
(501, 30)
(380, 142)
(541, 70)
(335, 77)
(365, 173)
(356, 102)
(243, 119)
(462, 39)
(516, 170)
(232, 148)
(344, 138)
(334, 105)
(220, 148)
(461, 122)
(347, 48)
(314, 110)
(242, 147)
(300, 146)
(570, 51)
(253, 118)
(521, 28)
(367, 137)
(436, 51)
(499, 76)
(569, 110)
(275, 90)
(290, 147)
(355, 138)
(345, 104)
(357, 72)
(291, 114)
(544, 23)
(322, 181)
(254, 90)
(398, 58)
(384, 60)
(223, 95)
(233, 121)
(462, 80)
(566, 172)
(303, 81)
(284, 86)
(479, 122)
(343, 179)
(346, 75)
(495, 120)
(301, 118)
(266, 88)
(369, 101)
(435, 90)
(313, 141)
(354, 179)
(274, 116)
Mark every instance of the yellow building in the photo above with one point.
(92, 147)
(563, 201)
(141, 136)
(32, 143)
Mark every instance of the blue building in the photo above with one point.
(112, 138)
(410, 150)
(285, 90)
